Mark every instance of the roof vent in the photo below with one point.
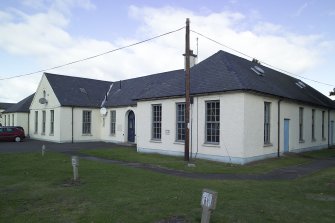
(82, 90)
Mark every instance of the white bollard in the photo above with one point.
(75, 164)
(43, 150)
(208, 203)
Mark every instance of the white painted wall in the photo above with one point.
(18, 119)
(231, 128)
(121, 127)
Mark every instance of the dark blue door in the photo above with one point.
(131, 127)
(286, 135)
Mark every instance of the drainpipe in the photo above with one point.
(72, 125)
(278, 150)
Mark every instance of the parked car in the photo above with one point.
(12, 133)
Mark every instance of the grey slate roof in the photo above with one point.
(21, 106)
(224, 72)
(221, 72)
(76, 91)
(4, 106)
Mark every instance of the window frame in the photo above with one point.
(52, 122)
(180, 122)
(113, 122)
(87, 122)
(36, 122)
(313, 125)
(323, 125)
(43, 122)
(267, 123)
(301, 124)
(214, 123)
(156, 122)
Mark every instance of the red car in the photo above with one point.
(12, 133)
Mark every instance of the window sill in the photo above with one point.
(267, 144)
(51, 134)
(301, 141)
(179, 142)
(87, 134)
(156, 140)
(216, 145)
(112, 135)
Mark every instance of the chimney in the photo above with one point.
(193, 59)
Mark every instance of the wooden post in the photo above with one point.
(208, 203)
(187, 92)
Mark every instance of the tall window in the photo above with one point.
(43, 122)
(213, 122)
(52, 121)
(87, 122)
(267, 122)
(12, 119)
(156, 122)
(36, 121)
(301, 124)
(323, 124)
(313, 124)
(113, 122)
(180, 122)
(5, 117)
(8, 119)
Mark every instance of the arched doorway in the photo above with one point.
(131, 127)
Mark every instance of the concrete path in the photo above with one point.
(286, 173)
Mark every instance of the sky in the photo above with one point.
(294, 35)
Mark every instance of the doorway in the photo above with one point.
(131, 127)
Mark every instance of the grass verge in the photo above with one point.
(37, 189)
(129, 154)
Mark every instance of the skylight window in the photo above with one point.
(259, 71)
(300, 84)
(82, 90)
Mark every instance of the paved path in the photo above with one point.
(286, 173)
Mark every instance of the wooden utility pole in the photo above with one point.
(187, 91)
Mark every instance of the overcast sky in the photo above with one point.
(294, 35)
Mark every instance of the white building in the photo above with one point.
(18, 114)
(3, 107)
(241, 111)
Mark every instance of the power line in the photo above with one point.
(98, 55)
(274, 67)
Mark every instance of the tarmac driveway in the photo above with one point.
(30, 145)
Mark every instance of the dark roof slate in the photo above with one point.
(77, 91)
(224, 72)
(21, 106)
(5, 105)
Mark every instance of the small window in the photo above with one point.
(87, 122)
(36, 121)
(113, 122)
(267, 122)
(180, 122)
(52, 121)
(313, 124)
(323, 124)
(301, 124)
(156, 122)
(43, 122)
(213, 122)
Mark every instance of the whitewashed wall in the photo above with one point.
(121, 125)
(231, 128)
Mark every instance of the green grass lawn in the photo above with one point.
(202, 166)
(38, 189)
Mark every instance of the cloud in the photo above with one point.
(301, 9)
(44, 37)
